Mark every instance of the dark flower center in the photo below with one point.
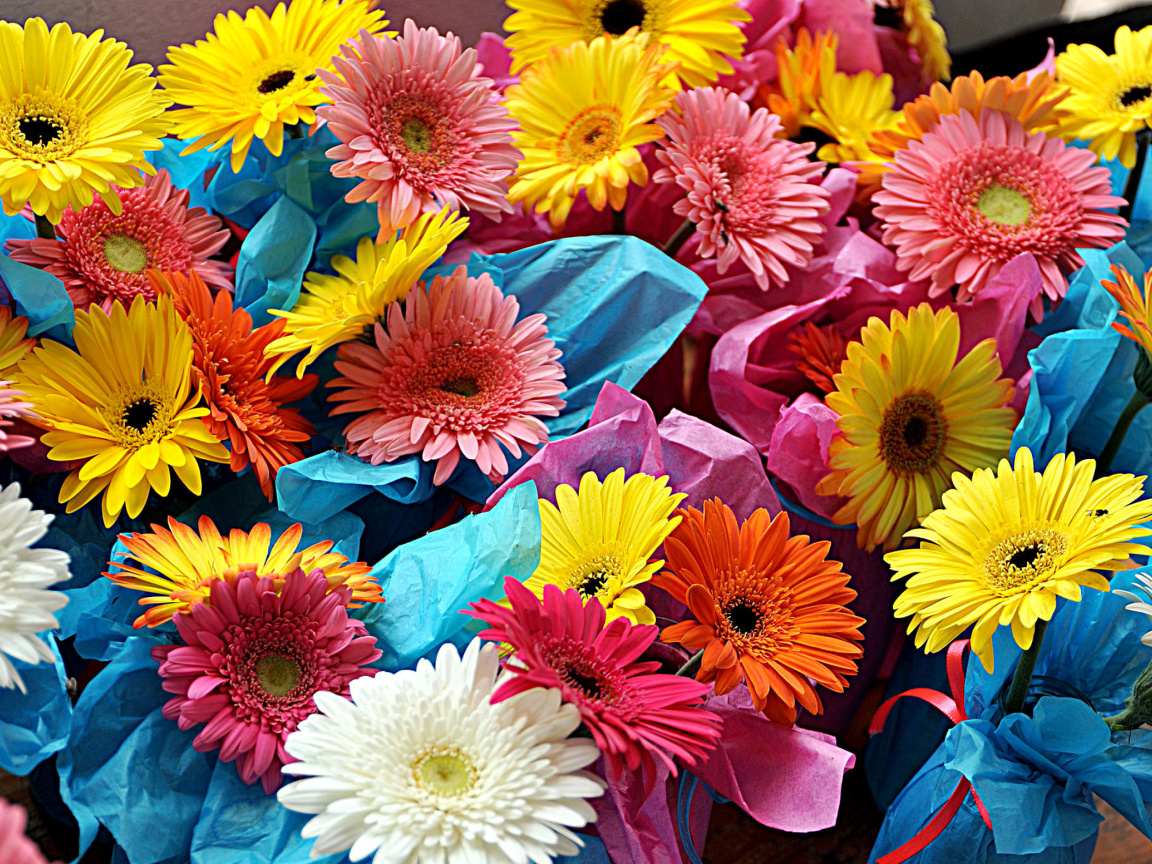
(416, 135)
(465, 386)
(888, 16)
(743, 617)
(139, 414)
(1128, 98)
(277, 674)
(276, 81)
(619, 16)
(40, 130)
(592, 583)
(1026, 557)
(913, 433)
(589, 685)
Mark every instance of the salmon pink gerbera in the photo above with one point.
(751, 196)
(454, 374)
(12, 407)
(419, 127)
(15, 847)
(252, 659)
(969, 197)
(102, 256)
(632, 711)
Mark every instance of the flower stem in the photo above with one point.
(1023, 676)
(296, 130)
(618, 221)
(678, 239)
(689, 669)
(44, 228)
(1132, 187)
(1134, 406)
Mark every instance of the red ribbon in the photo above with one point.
(952, 708)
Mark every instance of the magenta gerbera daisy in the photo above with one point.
(967, 199)
(751, 196)
(12, 408)
(102, 257)
(419, 127)
(633, 712)
(252, 659)
(454, 374)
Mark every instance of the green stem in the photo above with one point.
(679, 238)
(44, 228)
(296, 130)
(618, 221)
(689, 669)
(1134, 407)
(1023, 676)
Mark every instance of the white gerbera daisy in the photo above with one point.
(1138, 605)
(420, 768)
(26, 606)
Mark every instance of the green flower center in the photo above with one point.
(278, 674)
(444, 772)
(124, 253)
(464, 385)
(1004, 206)
(416, 135)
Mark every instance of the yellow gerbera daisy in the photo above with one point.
(123, 403)
(798, 72)
(701, 35)
(911, 415)
(74, 118)
(598, 540)
(182, 565)
(583, 111)
(1111, 98)
(925, 34)
(13, 345)
(334, 309)
(255, 74)
(1008, 542)
(849, 109)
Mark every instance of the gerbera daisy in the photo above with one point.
(13, 345)
(968, 198)
(103, 256)
(75, 118)
(917, 18)
(124, 404)
(765, 608)
(12, 408)
(849, 109)
(583, 112)
(244, 410)
(798, 79)
(1138, 604)
(420, 128)
(633, 712)
(700, 35)
(911, 415)
(752, 197)
(1134, 306)
(460, 778)
(600, 538)
(455, 374)
(1008, 542)
(822, 350)
(256, 74)
(182, 564)
(254, 657)
(1111, 98)
(25, 576)
(334, 309)
(15, 848)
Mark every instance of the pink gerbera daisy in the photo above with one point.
(454, 373)
(633, 712)
(11, 408)
(750, 195)
(15, 847)
(252, 659)
(968, 198)
(420, 128)
(103, 256)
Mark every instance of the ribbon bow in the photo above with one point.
(952, 708)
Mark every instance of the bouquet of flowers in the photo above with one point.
(432, 454)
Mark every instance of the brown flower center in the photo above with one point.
(1135, 95)
(276, 81)
(913, 433)
(139, 414)
(619, 16)
(591, 135)
(1023, 559)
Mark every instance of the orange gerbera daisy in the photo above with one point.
(230, 368)
(1135, 306)
(766, 608)
(793, 96)
(821, 350)
(183, 564)
(1033, 103)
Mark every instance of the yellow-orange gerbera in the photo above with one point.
(766, 608)
(230, 367)
(1134, 306)
(849, 109)
(798, 70)
(1032, 102)
(182, 564)
(123, 402)
(918, 21)
(13, 345)
(912, 412)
